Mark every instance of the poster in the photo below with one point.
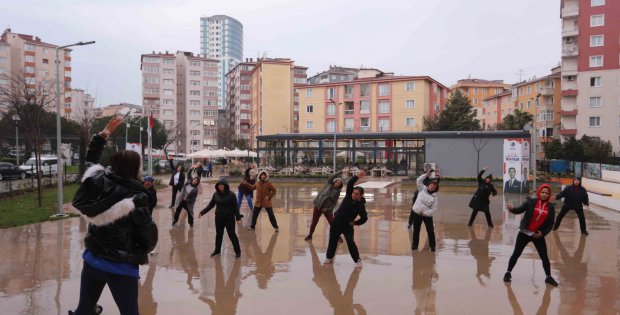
(136, 147)
(516, 166)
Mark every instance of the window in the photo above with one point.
(331, 109)
(384, 89)
(168, 61)
(331, 93)
(330, 125)
(597, 20)
(168, 112)
(384, 107)
(168, 102)
(29, 47)
(597, 40)
(595, 121)
(29, 58)
(168, 81)
(194, 113)
(410, 122)
(596, 81)
(151, 59)
(365, 124)
(475, 101)
(168, 71)
(348, 91)
(485, 91)
(151, 80)
(596, 101)
(384, 124)
(349, 123)
(529, 104)
(195, 63)
(410, 104)
(596, 61)
(529, 90)
(194, 92)
(192, 83)
(475, 90)
(364, 90)
(596, 3)
(168, 92)
(365, 107)
(310, 109)
(349, 108)
(194, 73)
(410, 86)
(194, 103)
(309, 124)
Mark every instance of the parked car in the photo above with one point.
(10, 170)
(49, 166)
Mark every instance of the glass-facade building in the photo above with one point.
(221, 37)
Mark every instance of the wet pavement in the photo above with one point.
(280, 273)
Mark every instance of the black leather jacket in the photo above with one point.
(117, 209)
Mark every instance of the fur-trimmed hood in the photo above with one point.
(261, 173)
(105, 197)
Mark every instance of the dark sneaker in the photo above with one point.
(507, 277)
(215, 254)
(491, 226)
(433, 249)
(414, 248)
(308, 238)
(585, 233)
(551, 281)
(237, 256)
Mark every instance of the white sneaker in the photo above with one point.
(328, 261)
(359, 264)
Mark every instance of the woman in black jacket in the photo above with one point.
(575, 197)
(243, 191)
(226, 213)
(177, 181)
(480, 201)
(536, 223)
(121, 231)
(352, 206)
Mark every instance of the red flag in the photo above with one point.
(151, 121)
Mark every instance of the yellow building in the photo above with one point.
(384, 103)
(271, 97)
(541, 97)
(477, 90)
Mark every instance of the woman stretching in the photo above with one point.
(264, 193)
(480, 200)
(243, 191)
(186, 199)
(226, 213)
(536, 223)
(423, 209)
(352, 206)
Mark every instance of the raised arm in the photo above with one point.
(331, 178)
(97, 142)
(351, 184)
(479, 177)
(420, 181)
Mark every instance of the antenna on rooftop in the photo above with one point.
(520, 73)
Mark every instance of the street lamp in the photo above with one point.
(331, 100)
(535, 137)
(16, 119)
(60, 212)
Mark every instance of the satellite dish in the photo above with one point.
(528, 126)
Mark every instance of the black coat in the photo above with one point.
(152, 198)
(480, 200)
(528, 208)
(349, 209)
(225, 203)
(574, 198)
(243, 190)
(181, 182)
(117, 209)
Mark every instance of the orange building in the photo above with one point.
(495, 108)
(477, 90)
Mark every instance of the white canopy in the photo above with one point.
(210, 153)
(203, 154)
(348, 153)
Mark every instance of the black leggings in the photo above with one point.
(272, 217)
(582, 218)
(541, 247)
(229, 225)
(430, 230)
(124, 291)
(487, 214)
(190, 213)
(334, 236)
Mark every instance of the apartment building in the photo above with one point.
(272, 97)
(370, 103)
(181, 91)
(238, 99)
(591, 70)
(81, 107)
(34, 58)
(494, 109)
(542, 98)
(477, 90)
(300, 79)
(118, 109)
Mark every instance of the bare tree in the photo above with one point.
(479, 144)
(171, 137)
(85, 119)
(28, 98)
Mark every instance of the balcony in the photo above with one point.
(568, 112)
(364, 129)
(568, 132)
(570, 51)
(546, 91)
(349, 112)
(570, 32)
(570, 12)
(569, 72)
(569, 93)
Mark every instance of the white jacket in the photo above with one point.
(426, 204)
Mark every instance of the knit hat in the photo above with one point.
(149, 179)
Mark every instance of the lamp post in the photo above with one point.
(331, 100)
(16, 119)
(535, 138)
(60, 212)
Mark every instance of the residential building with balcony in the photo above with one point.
(494, 109)
(591, 70)
(238, 99)
(81, 107)
(181, 91)
(372, 104)
(33, 58)
(117, 109)
(335, 74)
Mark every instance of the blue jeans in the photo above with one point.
(248, 198)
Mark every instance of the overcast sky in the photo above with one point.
(445, 39)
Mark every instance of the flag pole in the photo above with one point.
(150, 144)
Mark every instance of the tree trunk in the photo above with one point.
(37, 155)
